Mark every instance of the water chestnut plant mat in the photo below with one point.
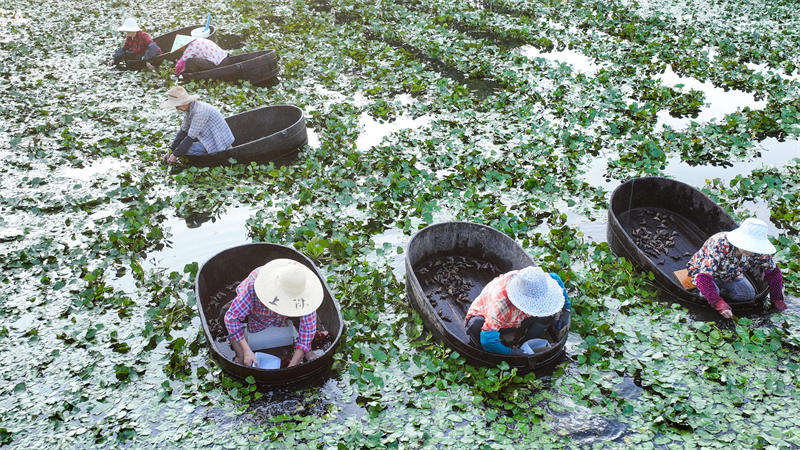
(521, 115)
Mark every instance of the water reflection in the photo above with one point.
(578, 61)
(375, 131)
(719, 102)
(196, 240)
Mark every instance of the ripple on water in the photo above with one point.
(583, 426)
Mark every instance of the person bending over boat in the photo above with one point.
(525, 301)
(198, 55)
(138, 45)
(718, 268)
(279, 289)
(203, 131)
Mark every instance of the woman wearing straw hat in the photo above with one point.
(138, 45)
(525, 301)
(203, 130)
(718, 268)
(279, 289)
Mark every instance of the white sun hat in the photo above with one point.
(288, 288)
(177, 96)
(129, 25)
(751, 236)
(535, 293)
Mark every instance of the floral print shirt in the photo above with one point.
(717, 257)
(495, 307)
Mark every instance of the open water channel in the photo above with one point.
(97, 320)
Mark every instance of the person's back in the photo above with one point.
(206, 124)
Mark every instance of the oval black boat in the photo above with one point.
(271, 133)
(164, 42)
(690, 214)
(220, 274)
(444, 315)
(256, 67)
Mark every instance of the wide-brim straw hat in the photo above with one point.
(535, 293)
(288, 288)
(177, 96)
(129, 25)
(751, 236)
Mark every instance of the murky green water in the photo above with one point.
(518, 114)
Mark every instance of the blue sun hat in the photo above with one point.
(535, 293)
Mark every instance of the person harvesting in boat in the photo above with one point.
(279, 289)
(718, 268)
(198, 55)
(137, 45)
(525, 301)
(203, 131)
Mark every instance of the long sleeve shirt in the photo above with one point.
(247, 306)
(204, 123)
(717, 258)
(138, 44)
(200, 48)
(498, 311)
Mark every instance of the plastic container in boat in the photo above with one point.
(272, 337)
(535, 345)
(267, 361)
(201, 32)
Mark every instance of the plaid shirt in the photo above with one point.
(138, 44)
(495, 307)
(246, 305)
(717, 257)
(204, 123)
(200, 48)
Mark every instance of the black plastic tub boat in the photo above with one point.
(480, 253)
(257, 67)
(643, 207)
(270, 133)
(215, 287)
(165, 42)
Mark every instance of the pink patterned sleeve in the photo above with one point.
(240, 308)
(308, 328)
(189, 52)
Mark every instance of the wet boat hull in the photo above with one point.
(271, 133)
(690, 214)
(256, 67)
(228, 268)
(444, 315)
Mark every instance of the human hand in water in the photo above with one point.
(726, 313)
(297, 357)
(248, 358)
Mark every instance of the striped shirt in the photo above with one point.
(717, 257)
(246, 305)
(204, 123)
(200, 48)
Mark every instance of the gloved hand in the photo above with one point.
(723, 308)
(779, 304)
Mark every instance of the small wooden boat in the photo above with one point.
(215, 287)
(164, 42)
(658, 224)
(270, 133)
(256, 67)
(480, 253)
